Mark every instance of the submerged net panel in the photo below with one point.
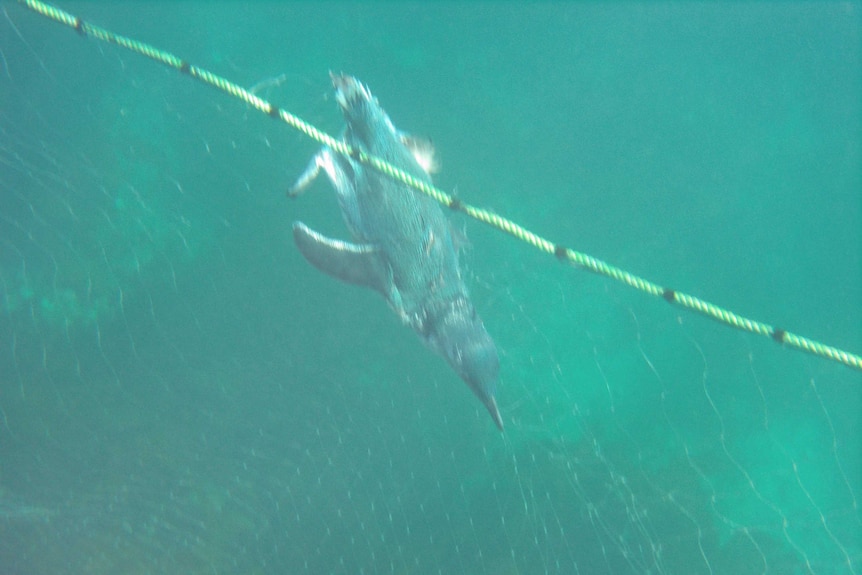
(181, 392)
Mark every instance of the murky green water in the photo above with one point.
(182, 393)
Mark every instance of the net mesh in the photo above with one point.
(181, 393)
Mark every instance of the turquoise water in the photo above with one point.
(181, 393)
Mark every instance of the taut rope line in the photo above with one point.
(494, 220)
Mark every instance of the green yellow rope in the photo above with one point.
(563, 253)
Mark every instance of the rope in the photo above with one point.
(563, 253)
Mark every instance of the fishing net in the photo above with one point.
(181, 393)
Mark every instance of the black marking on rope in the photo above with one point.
(779, 335)
(79, 26)
(355, 153)
(274, 112)
(455, 204)
(669, 295)
(185, 67)
(561, 251)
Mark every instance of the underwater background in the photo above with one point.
(180, 392)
